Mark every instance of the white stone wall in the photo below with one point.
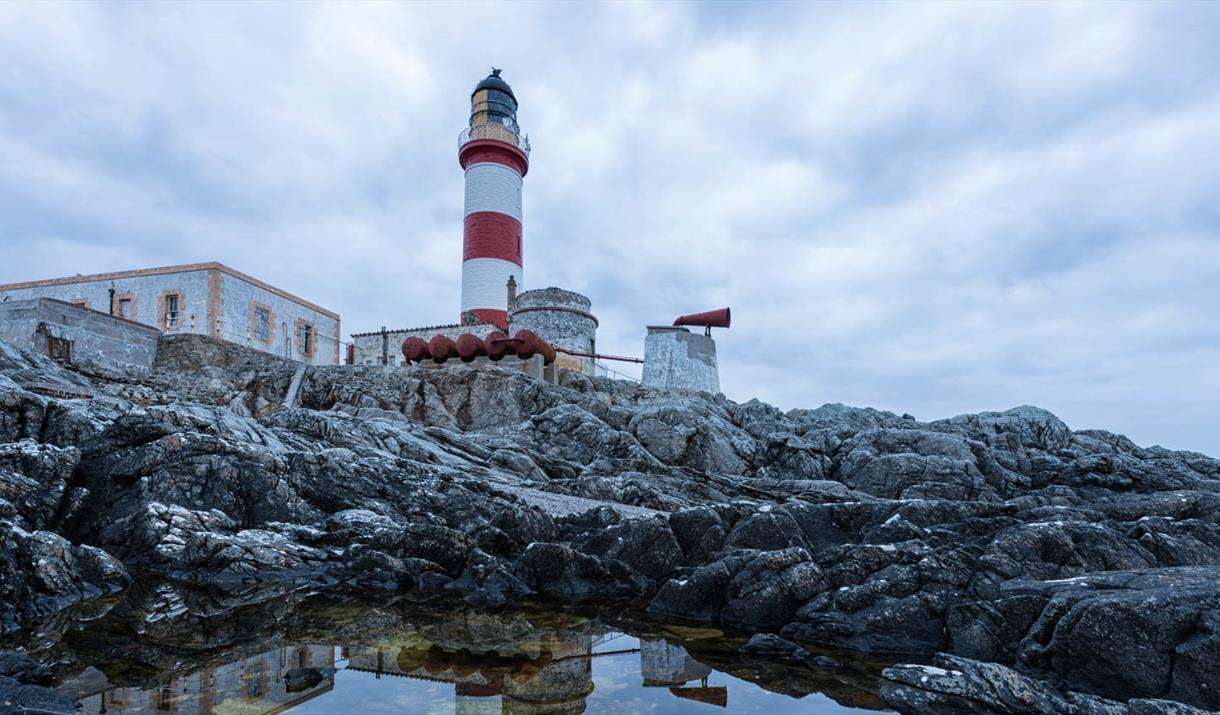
(675, 358)
(237, 297)
(145, 292)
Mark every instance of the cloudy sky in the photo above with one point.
(931, 209)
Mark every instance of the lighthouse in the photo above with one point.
(495, 156)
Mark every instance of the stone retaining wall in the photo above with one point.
(76, 334)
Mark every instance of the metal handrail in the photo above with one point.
(495, 131)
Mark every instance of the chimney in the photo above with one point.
(512, 294)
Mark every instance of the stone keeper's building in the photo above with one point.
(202, 298)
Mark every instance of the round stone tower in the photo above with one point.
(562, 318)
(495, 156)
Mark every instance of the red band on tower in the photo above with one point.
(494, 150)
(489, 234)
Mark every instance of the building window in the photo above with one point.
(255, 676)
(165, 699)
(123, 305)
(173, 308)
(305, 339)
(262, 324)
(82, 302)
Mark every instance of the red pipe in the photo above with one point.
(469, 347)
(529, 345)
(525, 344)
(496, 345)
(415, 349)
(441, 348)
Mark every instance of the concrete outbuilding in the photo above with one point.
(73, 334)
(677, 359)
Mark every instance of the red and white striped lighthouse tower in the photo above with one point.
(495, 155)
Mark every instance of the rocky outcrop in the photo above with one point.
(958, 685)
(1002, 537)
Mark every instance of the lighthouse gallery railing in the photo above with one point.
(494, 131)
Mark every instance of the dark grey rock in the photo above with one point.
(23, 668)
(768, 645)
(959, 686)
(1159, 628)
(1083, 560)
(556, 570)
(19, 699)
(956, 685)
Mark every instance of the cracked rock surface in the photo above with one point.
(1085, 567)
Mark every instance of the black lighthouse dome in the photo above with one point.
(493, 102)
(496, 82)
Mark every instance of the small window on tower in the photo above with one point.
(125, 308)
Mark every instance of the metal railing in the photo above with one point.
(601, 369)
(285, 346)
(495, 131)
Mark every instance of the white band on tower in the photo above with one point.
(493, 187)
(485, 283)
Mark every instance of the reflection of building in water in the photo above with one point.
(254, 686)
(546, 675)
(663, 664)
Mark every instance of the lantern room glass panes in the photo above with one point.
(492, 106)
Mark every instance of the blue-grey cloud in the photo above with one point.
(926, 208)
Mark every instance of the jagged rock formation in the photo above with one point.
(1005, 537)
(960, 686)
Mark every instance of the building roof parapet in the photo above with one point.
(449, 326)
(554, 309)
(76, 306)
(163, 270)
(552, 296)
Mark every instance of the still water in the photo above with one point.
(162, 651)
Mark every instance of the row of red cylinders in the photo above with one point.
(525, 344)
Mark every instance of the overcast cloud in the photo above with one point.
(930, 209)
